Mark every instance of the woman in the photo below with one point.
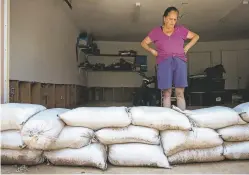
(171, 55)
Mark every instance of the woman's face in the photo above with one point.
(171, 19)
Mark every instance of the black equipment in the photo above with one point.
(208, 89)
(146, 96)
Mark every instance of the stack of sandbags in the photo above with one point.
(92, 119)
(139, 144)
(243, 111)
(209, 123)
(198, 145)
(213, 117)
(43, 129)
(73, 147)
(13, 150)
(236, 137)
(133, 146)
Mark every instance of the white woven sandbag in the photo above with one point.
(97, 117)
(93, 155)
(174, 141)
(236, 150)
(159, 118)
(214, 117)
(21, 157)
(14, 115)
(197, 155)
(137, 154)
(130, 134)
(72, 137)
(43, 129)
(11, 139)
(243, 110)
(235, 133)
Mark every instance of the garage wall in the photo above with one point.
(202, 55)
(42, 42)
(2, 48)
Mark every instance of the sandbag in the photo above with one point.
(197, 156)
(236, 150)
(243, 110)
(43, 129)
(72, 137)
(159, 118)
(174, 141)
(137, 154)
(21, 157)
(11, 139)
(93, 155)
(97, 117)
(130, 134)
(235, 133)
(14, 115)
(214, 117)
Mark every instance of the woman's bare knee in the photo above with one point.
(167, 93)
(179, 93)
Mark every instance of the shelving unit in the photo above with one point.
(135, 61)
(113, 55)
(122, 91)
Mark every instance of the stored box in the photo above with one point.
(196, 98)
(206, 84)
(208, 98)
(216, 98)
(141, 63)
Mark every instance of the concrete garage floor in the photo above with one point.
(224, 167)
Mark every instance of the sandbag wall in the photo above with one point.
(137, 136)
(13, 149)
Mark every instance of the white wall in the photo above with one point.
(42, 42)
(202, 50)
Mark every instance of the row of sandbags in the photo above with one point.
(128, 134)
(14, 116)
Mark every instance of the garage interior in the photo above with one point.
(72, 53)
(49, 51)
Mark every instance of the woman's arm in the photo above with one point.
(145, 44)
(194, 38)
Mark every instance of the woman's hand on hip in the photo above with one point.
(186, 50)
(153, 52)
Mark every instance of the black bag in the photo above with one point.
(215, 72)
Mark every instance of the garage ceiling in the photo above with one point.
(121, 20)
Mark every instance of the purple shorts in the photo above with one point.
(172, 72)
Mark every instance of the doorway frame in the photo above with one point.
(4, 49)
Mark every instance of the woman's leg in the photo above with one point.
(179, 92)
(164, 78)
(180, 81)
(167, 98)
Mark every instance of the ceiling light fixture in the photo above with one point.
(138, 4)
(245, 2)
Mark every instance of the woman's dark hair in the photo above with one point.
(169, 9)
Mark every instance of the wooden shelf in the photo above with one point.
(113, 55)
(90, 70)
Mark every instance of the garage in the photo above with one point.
(88, 53)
